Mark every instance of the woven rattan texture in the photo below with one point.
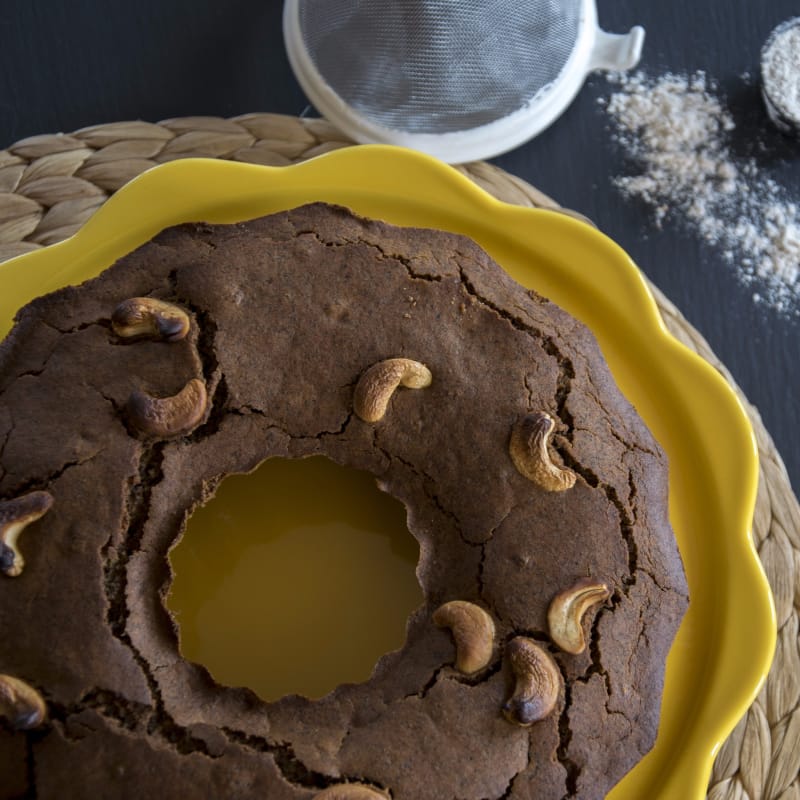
(51, 184)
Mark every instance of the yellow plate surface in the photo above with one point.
(724, 647)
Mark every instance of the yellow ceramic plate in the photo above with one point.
(724, 647)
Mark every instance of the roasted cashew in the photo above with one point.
(165, 417)
(21, 704)
(377, 385)
(15, 515)
(538, 682)
(350, 791)
(140, 317)
(473, 632)
(566, 612)
(530, 454)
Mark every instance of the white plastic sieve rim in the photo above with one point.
(471, 144)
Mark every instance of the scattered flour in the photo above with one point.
(677, 129)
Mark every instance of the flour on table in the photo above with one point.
(676, 128)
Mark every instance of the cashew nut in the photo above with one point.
(164, 417)
(473, 633)
(15, 515)
(566, 612)
(538, 682)
(350, 791)
(377, 384)
(21, 704)
(141, 317)
(529, 452)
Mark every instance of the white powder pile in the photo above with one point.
(677, 131)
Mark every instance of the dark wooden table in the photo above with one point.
(65, 64)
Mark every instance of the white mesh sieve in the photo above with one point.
(438, 66)
(458, 79)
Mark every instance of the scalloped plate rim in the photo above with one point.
(363, 169)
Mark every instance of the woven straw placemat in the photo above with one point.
(51, 184)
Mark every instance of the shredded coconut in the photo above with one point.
(676, 128)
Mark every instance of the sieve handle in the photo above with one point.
(617, 51)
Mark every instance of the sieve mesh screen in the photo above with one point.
(438, 66)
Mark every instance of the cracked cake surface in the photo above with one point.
(286, 313)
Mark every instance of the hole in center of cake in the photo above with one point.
(294, 578)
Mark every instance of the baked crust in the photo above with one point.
(287, 312)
